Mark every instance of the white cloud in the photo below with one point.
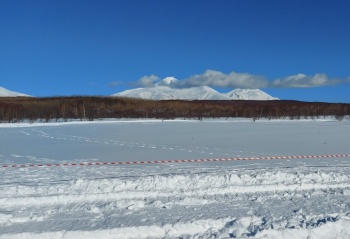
(304, 81)
(146, 81)
(233, 80)
(218, 79)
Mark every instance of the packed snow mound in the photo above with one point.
(249, 94)
(168, 89)
(7, 93)
(161, 92)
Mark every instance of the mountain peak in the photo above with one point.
(249, 94)
(167, 81)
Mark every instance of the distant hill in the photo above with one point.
(7, 93)
(167, 90)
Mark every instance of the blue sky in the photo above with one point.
(292, 49)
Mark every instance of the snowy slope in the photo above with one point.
(249, 94)
(167, 90)
(7, 93)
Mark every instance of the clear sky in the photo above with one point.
(291, 49)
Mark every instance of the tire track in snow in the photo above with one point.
(174, 198)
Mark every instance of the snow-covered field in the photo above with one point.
(285, 198)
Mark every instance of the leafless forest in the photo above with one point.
(16, 109)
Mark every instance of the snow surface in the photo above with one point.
(7, 93)
(299, 198)
(167, 89)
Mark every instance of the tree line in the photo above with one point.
(15, 109)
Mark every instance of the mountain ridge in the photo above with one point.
(168, 89)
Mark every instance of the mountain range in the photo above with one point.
(168, 89)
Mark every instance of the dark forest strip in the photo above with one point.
(15, 109)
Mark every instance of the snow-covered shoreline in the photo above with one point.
(27, 123)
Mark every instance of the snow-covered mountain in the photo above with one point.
(168, 81)
(249, 94)
(166, 90)
(167, 93)
(7, 93)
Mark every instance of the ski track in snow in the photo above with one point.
(301, 198)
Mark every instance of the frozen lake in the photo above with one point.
(231, 199)
(157, 140)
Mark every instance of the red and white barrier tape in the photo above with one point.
(173, 161)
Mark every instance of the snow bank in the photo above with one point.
(172, 197)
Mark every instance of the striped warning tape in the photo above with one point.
(174, 161)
